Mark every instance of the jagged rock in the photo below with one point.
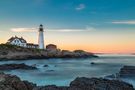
(113, 76)
(127, 71)
(16, 66)
(29, 85)
(99, 84)
(12, 82)
(91, 84)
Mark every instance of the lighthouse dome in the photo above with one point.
(41, 27)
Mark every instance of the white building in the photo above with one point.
(17, 41)
(21, 42)
(41, 37)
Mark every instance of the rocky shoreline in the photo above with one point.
(125, 71)
(16, 66)
(11, 52)
(12, 82)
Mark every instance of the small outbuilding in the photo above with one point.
(51, 47)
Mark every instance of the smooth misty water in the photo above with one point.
(65, 70)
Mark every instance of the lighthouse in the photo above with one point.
(41, 37)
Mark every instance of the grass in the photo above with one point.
(10, 47)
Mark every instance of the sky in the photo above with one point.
(99, 26)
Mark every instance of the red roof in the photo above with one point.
(51, 46)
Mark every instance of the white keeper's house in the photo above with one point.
(21, 42)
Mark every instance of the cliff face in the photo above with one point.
(11, 52)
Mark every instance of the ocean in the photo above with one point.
(62, 71)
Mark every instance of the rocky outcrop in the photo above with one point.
(16, 66)
(99, 84)
(11, 52)
(12, 82)
(76, 54)
(52, 87)
(127, 71)
(91, 84)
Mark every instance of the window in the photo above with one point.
(15, 41)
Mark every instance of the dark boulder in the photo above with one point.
(46, 65)
(50, 87)
(16, 66)
(99, 84)
(50, 70)
(92, 63)
(29, 85)
(91, 84)
(127, 71)
(12, 82)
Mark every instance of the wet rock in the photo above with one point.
(99, 84)
(90, 84)
(92, 63)
(50, 70)
(16, 66)
(29, 85)
(127, 71)
(12, 82)
(46, 65)
(34, 65)
(113, 76)
(51, 87)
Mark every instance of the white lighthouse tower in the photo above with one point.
(41, 37)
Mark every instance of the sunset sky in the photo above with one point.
(99, 26)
